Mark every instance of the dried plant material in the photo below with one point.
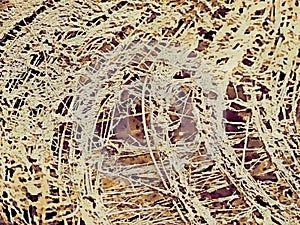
(149, 124)
(157, 112)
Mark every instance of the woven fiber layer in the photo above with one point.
(149, 112)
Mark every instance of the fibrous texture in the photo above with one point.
(148, 96)
(157, 112)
